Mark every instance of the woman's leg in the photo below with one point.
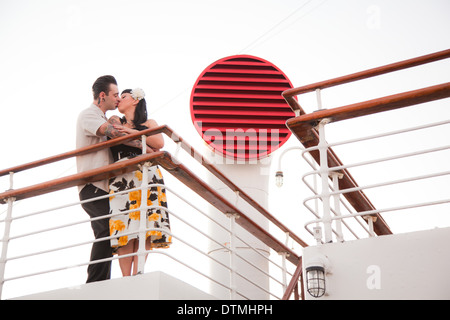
(126, 263)
(136, 248)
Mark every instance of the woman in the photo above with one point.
(134, 109)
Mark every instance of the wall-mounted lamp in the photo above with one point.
(279, 173)
(316, 268)
(279, 178)
(315, 281)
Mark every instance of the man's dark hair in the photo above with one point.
(102, 85)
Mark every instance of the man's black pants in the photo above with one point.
(100, 250)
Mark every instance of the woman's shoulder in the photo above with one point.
(150, 123)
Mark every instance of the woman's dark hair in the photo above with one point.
(140, 114)
(102, 84)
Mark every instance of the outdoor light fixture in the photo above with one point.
(279, 173)
(316, 268)
(279, 178)
(315, 281)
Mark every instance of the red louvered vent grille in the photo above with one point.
(237, 107)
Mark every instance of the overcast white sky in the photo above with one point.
(52, 51)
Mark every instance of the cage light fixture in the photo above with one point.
(315, 281)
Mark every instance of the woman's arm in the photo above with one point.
(155, 141)
(110, 130)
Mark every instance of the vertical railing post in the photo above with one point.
(5, 240)
(143, 212)
(319, 99)
(324, 171)
(5, 243)
(232, 217)
(370, 221)
(283, 260)
(337, 207)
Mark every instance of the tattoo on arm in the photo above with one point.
(134, 143)
(112, 133)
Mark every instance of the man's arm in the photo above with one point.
(107, 129)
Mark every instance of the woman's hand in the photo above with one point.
(123, 129)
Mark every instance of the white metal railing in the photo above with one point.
(310, 130)
(330, 195)
(142, 252)
(182, 220)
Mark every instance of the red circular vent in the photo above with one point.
(237, 107)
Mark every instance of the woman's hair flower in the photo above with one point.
(138, 94)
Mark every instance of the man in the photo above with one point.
(92, 128)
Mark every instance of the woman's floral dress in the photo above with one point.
(157, 218)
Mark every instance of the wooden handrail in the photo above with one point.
(85, 177)
(176, 138)
(165, 160)
(81, 151)
(290, 93)
(294, 280)
(302, 125)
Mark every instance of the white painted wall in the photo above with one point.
(404, 266)
(149, 286)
